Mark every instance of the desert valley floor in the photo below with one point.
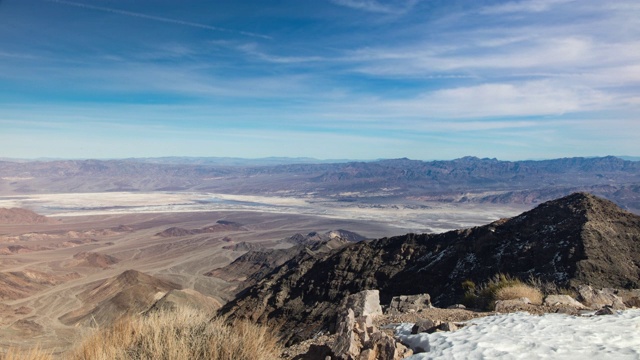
(87, 238)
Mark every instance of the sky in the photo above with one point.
(328, 79)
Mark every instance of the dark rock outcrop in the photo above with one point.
(254, 265)
(243, 246)
(578, 239)
(219, 226)
(315, 237)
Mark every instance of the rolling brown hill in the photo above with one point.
(21, 216)
(578, 239)
(20, 284)
(128, 293)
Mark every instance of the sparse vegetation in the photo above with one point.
(550, 288)
(31, 354)
(500, 287)
(518, 291)
(182, 334)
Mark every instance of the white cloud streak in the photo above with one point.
(528, 6)
(157, 18)
(373, 6)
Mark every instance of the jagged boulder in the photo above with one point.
(597, 299)
(606, 310)
(563, 300)
(384, 347)
(425, 326)
(347, 344)
(409, 303)
(631, 297)
(449, 326)
(365, 303)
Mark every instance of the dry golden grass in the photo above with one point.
(32, 354)
(517, 291)
(501, 287)
(183, 334)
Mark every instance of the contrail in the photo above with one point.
(156, 18)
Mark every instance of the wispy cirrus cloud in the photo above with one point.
(447, 80)
(391, 7)
(156, 18)
(531, 6)
(252, 50)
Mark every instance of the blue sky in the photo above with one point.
(358, 79)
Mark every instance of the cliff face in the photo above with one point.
(576, 239)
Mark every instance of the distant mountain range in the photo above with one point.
(468, 179)
(578, 239)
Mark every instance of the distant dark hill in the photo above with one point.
(93, 259)
(219, 226)
(573, 240)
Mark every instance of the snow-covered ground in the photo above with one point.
(524, 336)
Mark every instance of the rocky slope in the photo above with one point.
(254, 265)
(573, 240)
(21, 284)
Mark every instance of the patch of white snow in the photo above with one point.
(524, 336)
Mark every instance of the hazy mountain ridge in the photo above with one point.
(573, 240)
(467, 179)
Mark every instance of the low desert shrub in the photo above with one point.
(183, 334)
(551, 288)
(499, 287)
(518, 291)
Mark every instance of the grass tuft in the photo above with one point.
(499, 287)
(32, 354)
(518, 291)
(182, 334)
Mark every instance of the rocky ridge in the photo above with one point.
(568, 241)
(252, 266)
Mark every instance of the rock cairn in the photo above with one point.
(356, 336)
